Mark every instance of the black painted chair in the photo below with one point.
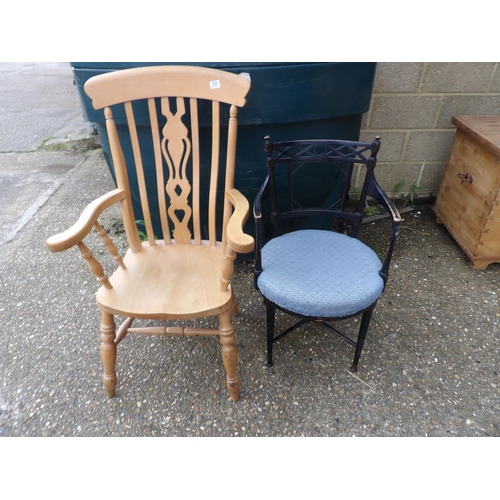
(324, 274)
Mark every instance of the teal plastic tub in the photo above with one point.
(287, 101)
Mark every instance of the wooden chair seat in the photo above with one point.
(166, 282)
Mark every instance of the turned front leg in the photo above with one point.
(108, 352)
(229, 356)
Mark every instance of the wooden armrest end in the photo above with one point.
(84, 224)
(237, 239)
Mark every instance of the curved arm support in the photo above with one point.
(375, 192)
(257, 214)
(236, 238)
(76, 233)
(261, 194)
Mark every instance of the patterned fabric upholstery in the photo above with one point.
(320, 273)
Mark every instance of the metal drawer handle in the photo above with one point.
(465, 177)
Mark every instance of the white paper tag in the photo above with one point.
(215, 84)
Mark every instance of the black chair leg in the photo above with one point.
(363, 330)
(271, 311)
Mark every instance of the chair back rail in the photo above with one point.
(180, 81)
(342, 156)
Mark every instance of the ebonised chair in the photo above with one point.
(324, 274)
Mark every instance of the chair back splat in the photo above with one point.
(308, 260)
(181, 125)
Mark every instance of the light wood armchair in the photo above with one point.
(187, 273)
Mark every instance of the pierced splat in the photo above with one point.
(176, 148)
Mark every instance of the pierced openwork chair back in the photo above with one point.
(320, 273)
(172, 134)
(178, 134)
(296, 167)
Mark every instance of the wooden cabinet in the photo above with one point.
(468, 201)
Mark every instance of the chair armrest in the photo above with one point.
(261, 195)
(257, 214)
(236, 238)
(83, 226)
(376, 192)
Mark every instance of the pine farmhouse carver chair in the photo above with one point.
(319, 275)
(184, 275)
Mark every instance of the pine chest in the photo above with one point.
(468, 200)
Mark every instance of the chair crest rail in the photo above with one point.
(319, 149)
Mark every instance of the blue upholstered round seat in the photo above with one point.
(320, 273)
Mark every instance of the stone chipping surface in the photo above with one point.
(430, 364)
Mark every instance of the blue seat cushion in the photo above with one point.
(320, 273)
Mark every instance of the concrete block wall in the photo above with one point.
(411, 109)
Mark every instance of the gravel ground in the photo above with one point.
(430, 366)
